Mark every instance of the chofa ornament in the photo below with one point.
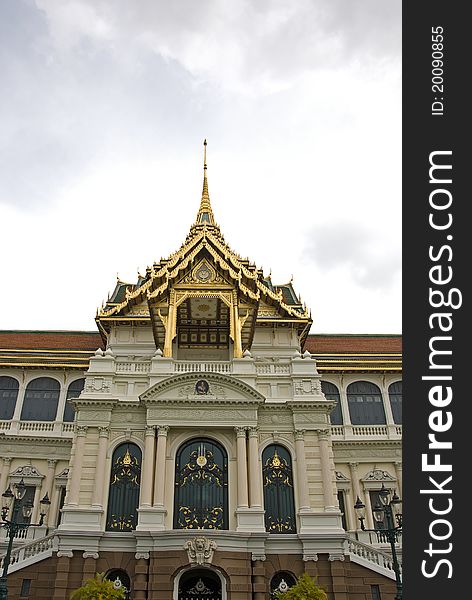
(200, 550)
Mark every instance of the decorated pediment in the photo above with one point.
(202, 388)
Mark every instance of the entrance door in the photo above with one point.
(200, 584)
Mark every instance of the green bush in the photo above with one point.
(304, 589)
(98, 588)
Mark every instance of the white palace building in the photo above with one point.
(202, 443)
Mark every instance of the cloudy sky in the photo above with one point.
(104, 105)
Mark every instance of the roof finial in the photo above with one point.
(205, 213)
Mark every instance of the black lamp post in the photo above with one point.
(388, 517)
(15, 497)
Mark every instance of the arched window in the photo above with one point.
(201, 486)
(395, 395)
(73, 391)
(199, 584)
(41, 399)
(280, 583)
(8, 395)
(278, 490)
(332, 393)
(365, 404)
(121, 581)
(125, 478)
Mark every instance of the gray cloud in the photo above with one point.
(373, 259)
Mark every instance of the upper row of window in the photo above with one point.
(365, 402)
(41, 399)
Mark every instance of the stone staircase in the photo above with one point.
(370, 557)
(32, 552)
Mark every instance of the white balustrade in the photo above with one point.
(184, 366)
(38, 549)
(273, 369)
(371, 555)
(133, 367)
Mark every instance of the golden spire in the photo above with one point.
(205, 213)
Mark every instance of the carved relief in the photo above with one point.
(307, 387)
(98, 385)
(200, 550)
(378, 475)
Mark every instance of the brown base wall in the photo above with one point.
(153, 579)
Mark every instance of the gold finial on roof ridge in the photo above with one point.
(205, 213)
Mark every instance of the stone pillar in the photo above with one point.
(90, 565)
(141, 569)
(97, 498)
(344, 404)
(398, 473)
(326, 471)
(302, 475)
(310, 561)
(255, 485)
(369, 517)
(46, 488)
(62, 575)
(242, 467)
(61, 403)
(259, 584)
(5, 474)
(148, 466)
(76, 471)
(19, 402)
(159, 484)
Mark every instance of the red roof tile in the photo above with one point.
(353, 344)
(50, 340)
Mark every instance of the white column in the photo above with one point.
(242, 467)
(159, 485)
(97, 498)
(326, 470)
(148, 466)
(255, 475)
(5, 474)
(302, 475)
(356, 492)
(398, 473)
(61, 403)
(75, 473)
(46, 487)
(368, 511)
(344, 404)
(19, 402)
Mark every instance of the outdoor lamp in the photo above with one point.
(384, 495)
(378, 511)
(7, 499)
(27, 509)
(20, 490)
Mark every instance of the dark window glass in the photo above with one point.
(332, 393)
(73, 391)
(342, 508)
(123, 498)
(375, 592)
(277, 479)
(365, 404)
(395, 395)
(8, 395)
(201, 486)
(280, 583)
(41, 399)
(25, 588)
